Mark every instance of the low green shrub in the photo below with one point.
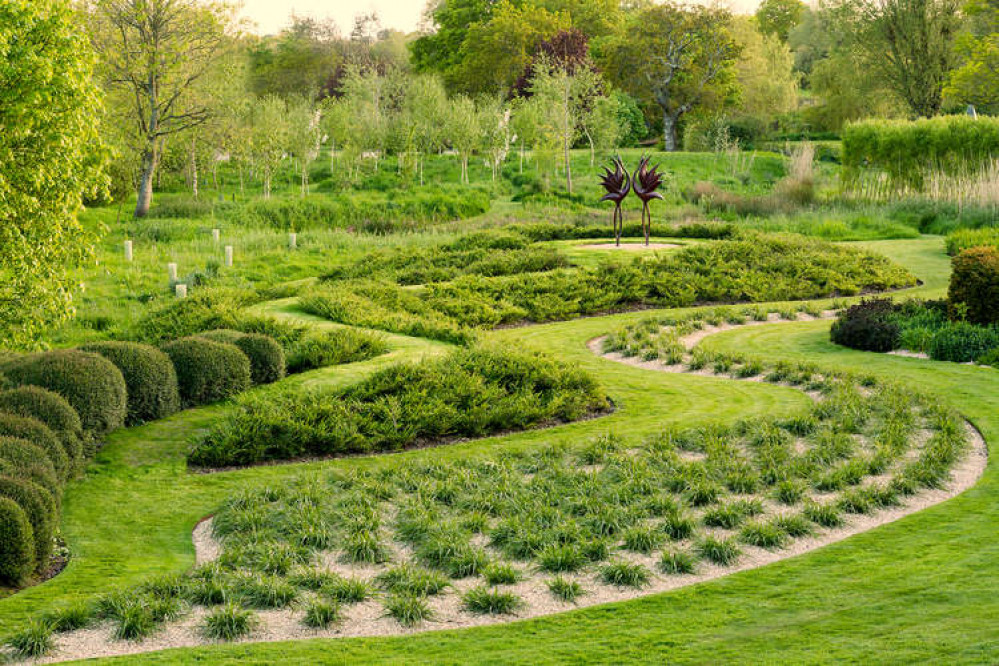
(267, 364)
(34, 640)
(974, 286)
(205, 309)
(51, 409)
(228, 623)
(208, 371)
(408, 609)
(17, 543)
(625, 574)
(962, 342)
(490, 601)
(89, 382)
(40, 509)
(320, 613)
(149, 377)
(470, 393)
(36, 432)
(965, 239)
(565, 589)
(324, 348)
(22, 459)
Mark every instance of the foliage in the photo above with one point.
(342, 345)
(684, 55)
(974, 285)
(49, 408)
(867, 326)
(964, 239)
(149, 377)
(779, 17)
(35, 640)
(40, 509)
(90, 383)
(50, 157)
(963, 342)
(22, 459)
(470, 393)
(267, 363)
(205, 309)
(17, 547)
(908, 150)
(36, 432)
(208, 371)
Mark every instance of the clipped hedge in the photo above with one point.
(208, 371)
(40, 509)
(323, 348)
(149, 377)
(23, 460)
(49, 408)
(267, 362)
(974, 285)
(17, 543)
(907, 149)
(36, 432)
(89, 382)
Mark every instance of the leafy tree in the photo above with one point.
(295, 62)
(526, 120)
(779, 17)
(676, 57)
(594, 18)
(50, 157)
(304, 138)
(426, 109)
(440, 50)
(494, 124)
(768, 85)
(601, 125)
(159, 51)
(630, 118)
(567, 49)
(911, 43)
(496, 52)
(463, 130)
(269, 130)
(975, 80)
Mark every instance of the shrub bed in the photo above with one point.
(36, 432)
(965, 239)
(89, 382)
(40, 509)
(23, 460)
(470, 393)
(324, 348)
(208, 371)
(149, 377)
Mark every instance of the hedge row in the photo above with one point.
(40, 449)
(907, 150)
(470, 393)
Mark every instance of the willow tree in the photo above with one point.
(160, 52)
(49, 158)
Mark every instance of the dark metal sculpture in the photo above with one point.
(645, 182)
(617, 184)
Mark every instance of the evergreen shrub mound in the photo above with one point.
(205, 309)
(974, 285)
(49, 408)
(471, 393)
(320, 349)
(17, 543)
(867, 326)
(23, 460)
(267, 362)
(149, 377)
(91, 384)
(40, 509)
(36, 432)
(208, 371)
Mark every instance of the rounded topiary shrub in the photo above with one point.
(867, 326)
(23, 460)
(89, 382)
(49, 408)
(17, 543)
(974, 285)
(267, 362)
(36, 432)
(149, 376)
(40, 509)
(208, 371)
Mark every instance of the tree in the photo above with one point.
(911, 43)
(463, 130)
(494, 125)
(779, 17)
(269, 130)
(439, 50)
(768, 85)
(303, 136)
(567, 97)
(976, 78)
(50, 157)
(295, 62)
(496, 52)
(426, 109)
(567, 49)
(159, 51)
(679, 58)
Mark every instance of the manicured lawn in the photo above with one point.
(920, 589)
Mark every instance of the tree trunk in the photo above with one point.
(521, 157)
(669, 132)
(150, 157)
(194, 175)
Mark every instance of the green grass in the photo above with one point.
(855, 600)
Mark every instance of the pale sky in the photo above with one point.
(272, 15)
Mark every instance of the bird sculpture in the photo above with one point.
(645, 182)
(617, 184)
